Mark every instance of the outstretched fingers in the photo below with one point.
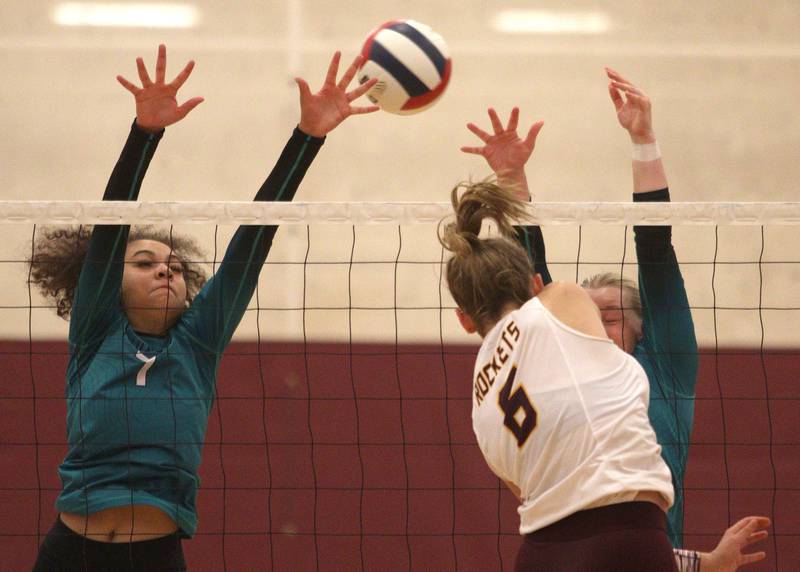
(615, 75)
(633, 96)
(640, 101)
(513, 120)
(750, 558)
(183, 75)
(616, 97)
(361, 89)
(618, 79)
(749, 531)
(482, 135)
(144, 77)
(333, 69)
(496, 124)
(756, 537)
(360, 110)
(161, 63)
(350, 73)
(533, 133)
(753, 525)
(302, 85)
(128, 85)
(627, 88)
(161, 70)
(473, 150)
(185, 108)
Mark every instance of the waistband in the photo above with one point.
(585, 523)
(74, 548)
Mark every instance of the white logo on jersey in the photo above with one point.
(488, 372)
(141, 377)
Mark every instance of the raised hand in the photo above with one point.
(504, 150)
(633, 111)
(321, 112)
(156, 106)
(728, 555)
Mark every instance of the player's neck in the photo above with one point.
(504, 311)
(152, 322)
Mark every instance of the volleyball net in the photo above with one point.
(341, 435)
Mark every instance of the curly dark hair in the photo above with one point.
(59, 252)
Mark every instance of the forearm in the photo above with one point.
(225, 298)
(280, 185)
(532, 240)
(648, 175)
(653, 243)
(529, 236)
(128, 174)
(667, 316)
(291, 167)
(108, 241)
(101, 275)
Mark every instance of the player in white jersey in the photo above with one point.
(562, 413)
(559, 412)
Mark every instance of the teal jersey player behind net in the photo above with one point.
(146, 337)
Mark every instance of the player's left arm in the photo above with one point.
(728, 555)
(507, 154)
(221, 304)
(667, 319)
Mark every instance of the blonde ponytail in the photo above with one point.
(484, 275)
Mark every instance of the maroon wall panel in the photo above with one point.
(340, 456)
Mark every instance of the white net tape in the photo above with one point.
(364, 213)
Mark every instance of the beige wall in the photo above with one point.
(724, 78)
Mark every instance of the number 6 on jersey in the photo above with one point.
(511, 404)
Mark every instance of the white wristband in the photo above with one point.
(646, 152)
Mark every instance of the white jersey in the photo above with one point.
(563, 416)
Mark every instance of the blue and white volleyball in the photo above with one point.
(412, 64)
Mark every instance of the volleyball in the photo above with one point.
(412, 64)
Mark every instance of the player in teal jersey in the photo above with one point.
(653, 321)
(145, 343)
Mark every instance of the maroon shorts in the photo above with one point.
(627, 537)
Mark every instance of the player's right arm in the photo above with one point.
(506, 153)
(100, 281)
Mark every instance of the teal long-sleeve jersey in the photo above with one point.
(667, 350)
(138, 405)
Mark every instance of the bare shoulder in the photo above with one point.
(560, 292)
(572, 306)
(569, 289)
